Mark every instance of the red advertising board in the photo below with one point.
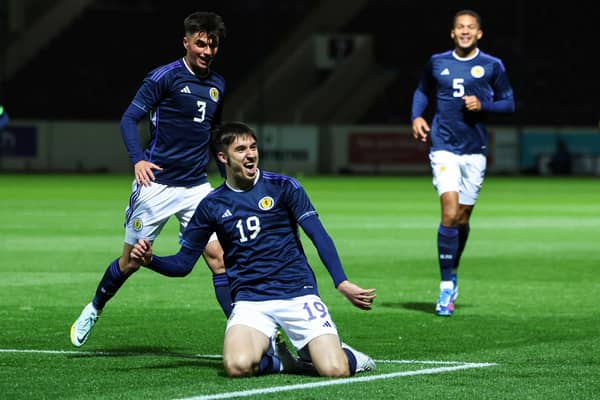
(389, 148)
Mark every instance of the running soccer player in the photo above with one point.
(184, 100)
(256, 215)
(468, 84)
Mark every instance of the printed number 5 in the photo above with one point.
(459, 88)
(319, 307)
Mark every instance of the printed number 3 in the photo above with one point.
(201, 110)
(319, 308)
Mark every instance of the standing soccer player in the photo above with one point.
(256, 215)
(184, 100)
(468, 84)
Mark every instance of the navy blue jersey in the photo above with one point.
(183, 109)
(454, 128)
(258, 230)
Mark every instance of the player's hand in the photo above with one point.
(359, 297)
(142, 252)
(144, 174)
(472, 103)
(420, 129)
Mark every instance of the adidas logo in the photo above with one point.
(446, 71)
(326, 324)
(186, 89)
(226, 214)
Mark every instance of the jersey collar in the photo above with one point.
(239, 190)
(465, 58)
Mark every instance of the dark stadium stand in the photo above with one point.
(544, 49)
(91, 70)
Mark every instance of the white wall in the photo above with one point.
(68, 146)
(97, 147)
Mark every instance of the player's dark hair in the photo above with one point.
(224, 134)
(205, 21)
(472, 13)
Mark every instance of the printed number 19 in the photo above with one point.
(319, 307)
(252, 224)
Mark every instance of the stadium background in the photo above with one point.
(527, 324)
(327, 84)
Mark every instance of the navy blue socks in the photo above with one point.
(110, 283)
(447, 241)
(463, 235)
(269, 364)
(351, 360)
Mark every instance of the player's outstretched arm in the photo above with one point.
(359, 297)
(176, 265)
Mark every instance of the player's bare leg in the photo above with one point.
(116, 274)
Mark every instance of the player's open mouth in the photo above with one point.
(204, 61)
(250, 167)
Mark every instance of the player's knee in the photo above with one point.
(128, 266)
(450, 218)
(216, 267)
(238, 365)
(215, 263)
(334, 370)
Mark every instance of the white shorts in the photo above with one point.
(458, 173)
(302, 318)
(150, 207)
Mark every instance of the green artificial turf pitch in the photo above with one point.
(526, 326)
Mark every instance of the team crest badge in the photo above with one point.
(266, 203)
(137, 224)
(477, 71)
(214, 94)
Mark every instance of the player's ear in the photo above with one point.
(222, 157)
(479, 34)
(185, 43)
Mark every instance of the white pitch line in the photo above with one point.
(114, 353)
(452, 366)
(312, 385)
(187, 355)
(436, 362)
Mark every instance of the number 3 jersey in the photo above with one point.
(258, 230)
(182, 108)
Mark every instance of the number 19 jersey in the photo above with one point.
(258, 230)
